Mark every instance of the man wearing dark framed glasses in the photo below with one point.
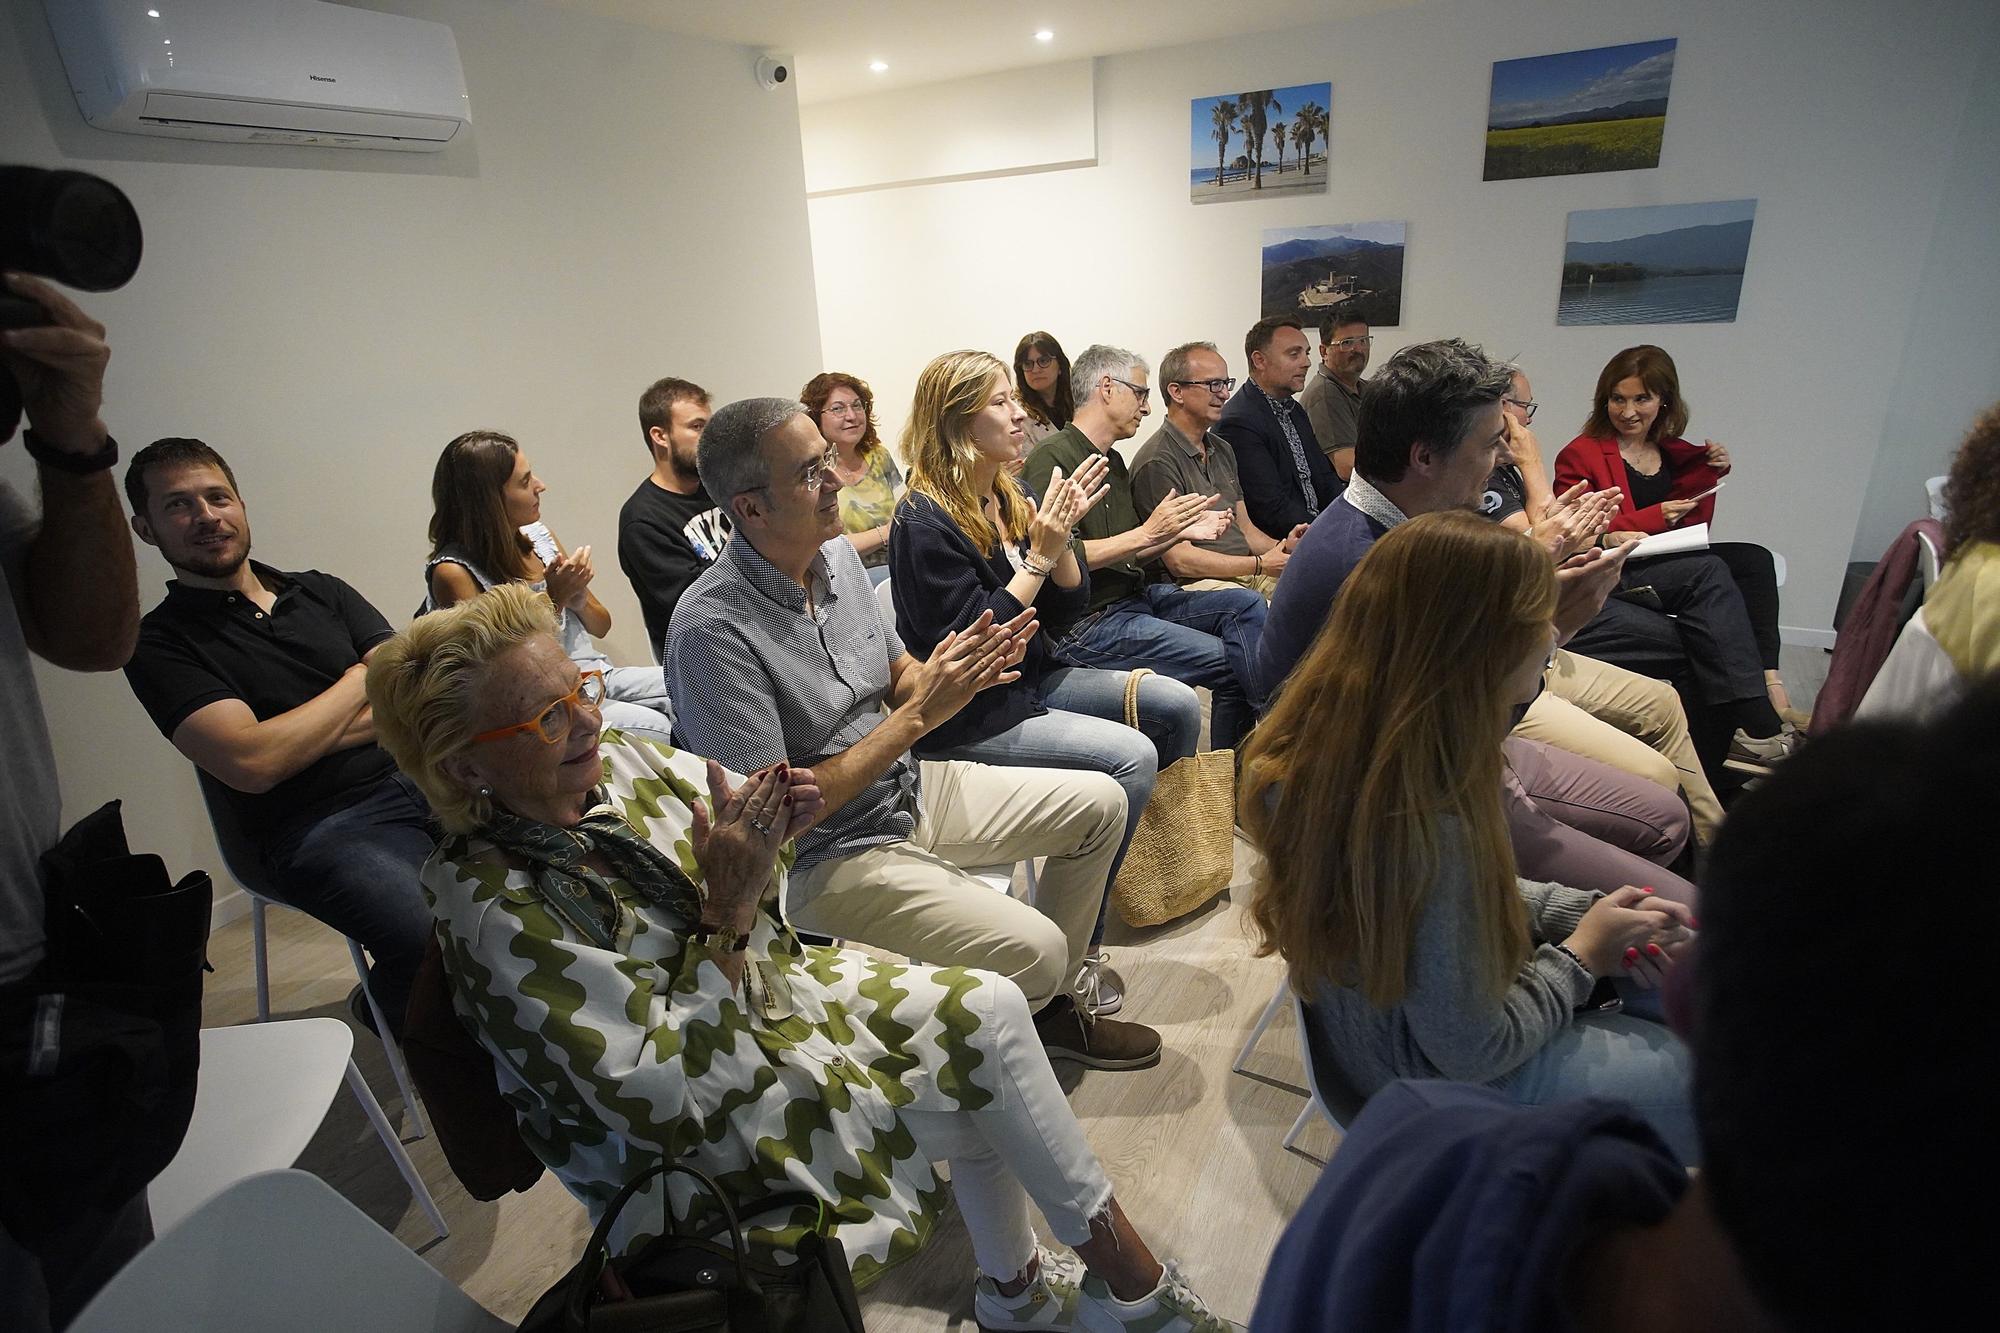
(1333, 400)
(1186, 455)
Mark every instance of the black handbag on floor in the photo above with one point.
(681, 1283)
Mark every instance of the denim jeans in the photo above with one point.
(635, 700)
(1084, 728)
(356, 870)
(1205, 637)
(1621, 1056)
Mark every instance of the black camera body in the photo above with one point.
(75, 228)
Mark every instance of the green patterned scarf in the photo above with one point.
(579, 894)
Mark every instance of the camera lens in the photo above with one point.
(77, 229)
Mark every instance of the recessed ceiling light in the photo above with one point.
(152, 13)
(879, 66)
(1045, 36)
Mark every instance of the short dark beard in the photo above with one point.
(218, 569)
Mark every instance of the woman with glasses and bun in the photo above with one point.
(1388, 884)
(487, 530)
(843, 408)
(1041, 369)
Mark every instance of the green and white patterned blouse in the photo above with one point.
(616, 1058)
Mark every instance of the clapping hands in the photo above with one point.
(1067, 501)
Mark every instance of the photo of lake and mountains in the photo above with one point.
(1353, 268)
(1580, 111)
(1259, 144)
(1669, 264)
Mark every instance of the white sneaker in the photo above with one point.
(1048, 1302)
(1099, 990)
(1171, 1307)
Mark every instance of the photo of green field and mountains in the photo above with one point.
(1579, 111)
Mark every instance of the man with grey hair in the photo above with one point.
(1197, 636)
(780, 654)
(1186, 454)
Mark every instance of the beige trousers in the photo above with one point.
(914, 897)
(1627, 720)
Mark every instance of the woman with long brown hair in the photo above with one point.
(843, 407)
(1373, 788)
(1041, 369)
(486, 530)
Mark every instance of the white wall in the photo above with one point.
(1949, 369)
(1839, 118)
(630, 205)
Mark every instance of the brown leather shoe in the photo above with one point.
(1102, 1043)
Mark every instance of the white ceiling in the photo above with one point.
(925, 41)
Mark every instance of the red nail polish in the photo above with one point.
(1653, 949)
(787, 800)
(1646, 890)
(1694, 924)
(1631, 955)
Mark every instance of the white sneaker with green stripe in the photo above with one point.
(1048, 1302)
(1171, 1307)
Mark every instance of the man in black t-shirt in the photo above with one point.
(256, 675)
(669, 530)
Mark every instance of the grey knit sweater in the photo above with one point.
(1446, 1025)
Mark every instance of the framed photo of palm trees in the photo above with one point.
(1259, 144)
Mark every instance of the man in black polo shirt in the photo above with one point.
(257, 676)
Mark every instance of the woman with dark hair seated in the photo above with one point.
(612, 938)
(843, 408)
(487, 530)
(1632, 444)
(967, 540)
(1041, 368)
(1373, 789)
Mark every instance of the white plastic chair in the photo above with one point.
(264, 1090)
(247, 868)
(1934, 497)
(1928, 560)
(280, 1249)
(1329, 1093)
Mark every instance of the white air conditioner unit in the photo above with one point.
(263, 71)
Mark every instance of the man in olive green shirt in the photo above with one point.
(1333, 400)
(1185, 455)
(1206, 637)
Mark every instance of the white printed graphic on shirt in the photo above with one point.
(706, 532)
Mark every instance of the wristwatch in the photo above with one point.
(722, 939)
(81, 465)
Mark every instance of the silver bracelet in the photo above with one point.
(1029, 563)
(1574, 957)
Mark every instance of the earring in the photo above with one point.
(485, 793)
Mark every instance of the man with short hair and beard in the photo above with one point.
(669, 530)
(256, 675)
(1333, 400)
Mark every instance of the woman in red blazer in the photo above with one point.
(1632, 444)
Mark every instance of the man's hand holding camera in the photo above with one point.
(59, 368)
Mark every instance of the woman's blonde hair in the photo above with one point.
(1390, 725)
(937, 444)
(422, 681)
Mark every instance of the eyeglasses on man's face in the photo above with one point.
(1037, 363)
(850, 407)
(552, 725)
(1143, 392)
(1349, 344)
(1527, 406)
(1219, 388)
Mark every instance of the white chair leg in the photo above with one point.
(260, 957)
(1033, 881)
(1305, 1118)
(1278, 1001)
(418, 1127)
(420, 1191)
